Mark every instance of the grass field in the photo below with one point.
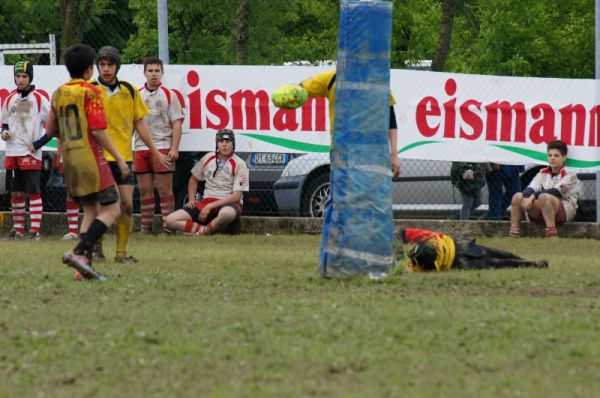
(248, 316)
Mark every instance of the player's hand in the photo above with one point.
(173, 155)
(205, 212)
(124, 168)
(160, 159)
(6, 135)
(191, 203)
(527, 203)
(395, 166)
(31, 148)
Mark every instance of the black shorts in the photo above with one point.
(116, 172)
(106, 197)
(233, 228)
(23, 180)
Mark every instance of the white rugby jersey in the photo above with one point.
(565, 181)
(164, 106)
(231, 175)
(25, 117)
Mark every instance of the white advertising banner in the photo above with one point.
(441, 116)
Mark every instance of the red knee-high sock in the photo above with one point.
(147, 210)
(36, 209)
(73, 216)
(167, 206)
(18, 213)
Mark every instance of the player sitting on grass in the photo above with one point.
(226, 177)
(77, 116)
(551, 197)
(434, 251)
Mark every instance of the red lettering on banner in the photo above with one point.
(450, 110)
(566, 126)
(543, 130)
(471, 119)
(427, 107)
(3, 94)
(503, 121)
(195, 101)
(595, 126)
(285, 120)
(215, 108)
(244, 103)
(318, 105)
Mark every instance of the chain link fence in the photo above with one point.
(205, 35)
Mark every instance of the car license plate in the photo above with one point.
(270, 159)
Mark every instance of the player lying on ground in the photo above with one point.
(434, 251)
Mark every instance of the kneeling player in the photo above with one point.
(226, 180)
(434, 251)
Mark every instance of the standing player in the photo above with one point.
(164, 120)
(323, 85)
(77, 114)
(226, 177)
(125, 112)
(23, 113)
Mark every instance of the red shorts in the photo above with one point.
(195, 212)
(559, 218)
(26, 162)
(142, 163)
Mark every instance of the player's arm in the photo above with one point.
(102, 137)
(176, 126)
(192, 189)
(144, 133)
(394, 143)
(233, 197)
(5, 135)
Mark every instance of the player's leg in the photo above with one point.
(36, 208)
(515, 215)
(72, 219)
(124, 223)
(226, 215)
(551, 207)
(185, 220)
(15, 183)
(498, 263)
(467, 204)
(146, 186)
(164, 186)
(99, 212)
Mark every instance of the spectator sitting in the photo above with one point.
(226, 177)
(552, 195)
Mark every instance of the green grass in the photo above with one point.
(249, 316)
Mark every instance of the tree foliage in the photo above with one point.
(503, 37)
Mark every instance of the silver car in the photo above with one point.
(423, 190)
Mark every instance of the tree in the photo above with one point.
(443, 46)
(73, 16)
(242, 33)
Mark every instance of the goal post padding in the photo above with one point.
(358, 229)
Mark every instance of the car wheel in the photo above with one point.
(315, 196)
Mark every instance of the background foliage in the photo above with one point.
(503, 37)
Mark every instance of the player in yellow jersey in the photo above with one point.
(323, 85)
(435, 251)
(77, 117)
(125, 112)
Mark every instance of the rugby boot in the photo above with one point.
(80, 264)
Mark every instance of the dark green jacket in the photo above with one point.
(470, 188)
